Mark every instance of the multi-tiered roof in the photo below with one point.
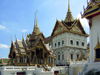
(92, 9)
(33, 43)
(69, 25)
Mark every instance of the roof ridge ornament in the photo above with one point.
(11, 39)
(15, 37)
(22, 37)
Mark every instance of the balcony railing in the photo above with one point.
(17, 68)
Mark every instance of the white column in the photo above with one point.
(50, 59)
(91, 47)
(23, 58)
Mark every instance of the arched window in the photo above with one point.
(77, 43)
(71, 42)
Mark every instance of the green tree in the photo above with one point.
(0, 61)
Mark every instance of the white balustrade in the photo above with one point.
(17, 68)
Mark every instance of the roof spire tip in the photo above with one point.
(69, 17)
(11, 38)
(37, 19)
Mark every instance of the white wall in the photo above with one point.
(95, 29)
(7, 70)
(67, 37)
(67, 48)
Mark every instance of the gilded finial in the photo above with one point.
(69, 17)
(84, 8)
(34, 21)
(81, 13)
(37, 19)
(36, 30)
(22, 37)
(56, 19)
(68, 5)
(11, 38)
(15, 37)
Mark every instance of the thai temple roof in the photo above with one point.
(92, 9)
(24, 46)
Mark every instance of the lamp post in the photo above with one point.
(68, 66)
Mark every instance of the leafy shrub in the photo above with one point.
(97, 73)
(91, 72)
(0, 61)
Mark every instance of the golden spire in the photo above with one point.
(69, 6)
(37, 20)
(69, 17)
(34, 21)
(36, 28)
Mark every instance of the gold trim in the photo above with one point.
(93, 7)
(97, 47)
(91, 14)
(90, 23)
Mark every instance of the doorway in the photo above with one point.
(21, 73)
(56, 72)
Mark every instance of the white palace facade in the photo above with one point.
(63, 52)
(69, 40)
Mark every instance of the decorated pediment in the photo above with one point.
(77, 28)
(97, 51)
(39, 43)
(59, 28)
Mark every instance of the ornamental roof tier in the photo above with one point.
(92, 9)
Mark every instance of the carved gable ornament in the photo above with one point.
(97, 51)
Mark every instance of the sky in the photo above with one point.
(17, 18)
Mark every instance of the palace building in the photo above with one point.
(92, 13)
(68, 39)
(67, 45)
(31, 51)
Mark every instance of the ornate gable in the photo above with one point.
(11, 49)
(40, 44)
(78, 28)
(58, 28)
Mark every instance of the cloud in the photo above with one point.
(2, 27)
(3, 46)
(24, 30)
(84, 21)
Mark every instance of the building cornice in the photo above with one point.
(70, 47)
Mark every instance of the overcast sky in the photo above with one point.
(17, 18)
